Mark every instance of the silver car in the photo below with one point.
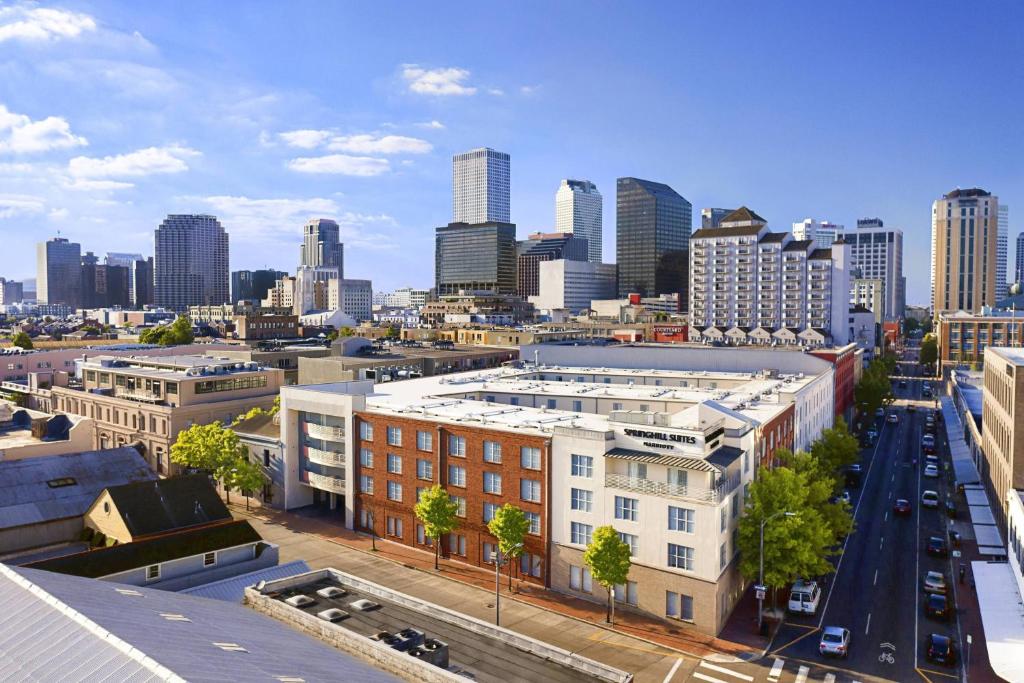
(835, 641)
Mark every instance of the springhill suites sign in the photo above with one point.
(661, 436)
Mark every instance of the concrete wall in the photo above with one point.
(39, 535)
(80, 439)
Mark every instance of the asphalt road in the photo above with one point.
(876, 592)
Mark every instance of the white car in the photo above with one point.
(931, 471)
(893, 418)
(835, 641)
(930, 499)
(804, 597)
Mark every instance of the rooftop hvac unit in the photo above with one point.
(433, 651)
(364, 605)
(333, 614)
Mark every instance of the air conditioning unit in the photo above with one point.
(433, 651)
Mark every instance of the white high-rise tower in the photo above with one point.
(480, 187)
(578, 210)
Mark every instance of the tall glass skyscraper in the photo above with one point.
(480, 257)
(191, 262)
(59, 272)
(321, 245)
(652, 227)
(578, 210)
(480, 187)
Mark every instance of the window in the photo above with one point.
(394, 491)
(534, 519)
(461, 503)
(394, 463)
(457, 475)
(365, 484)
(722, 552)
(680, 556)
(636, 470)
(394, 436)
(583, 466)
(210, 559)
(529, 457)
(632, 541)
(678, 606)
(580, 534)
(394, 527)
(530, 565)
(680, 519)
(424, 441)
(489, 511)
(582, 500)
(457, 544)
(152, 572)
(492, 451)
(424, 469)
(676, 477)
(616, 406)
(626, 508)
(366, 431)
(552, 404)
(457, 446)
(579, 579)
(735, 506)
(421, 536)
(627, 593)
(724, 520)
(529, 490)
(492, 482)
(577, 406)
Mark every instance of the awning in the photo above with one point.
(696, 464)
(976, 496)
(982, 514)
(987, 534)
(963, 464)
(1002, 618)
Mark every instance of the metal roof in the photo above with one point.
(57, 627)
(233, 589)
(695, 464)
(28, 494)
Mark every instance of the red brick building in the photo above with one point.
(480, 468)
(775, 434)
(669, 334)
(844, 359)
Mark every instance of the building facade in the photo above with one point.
(481, 187)
(545, 247)
(1001, 424)
(250, 285)
(652, 227)
(876, 253)
(11, 292)
(480, 257)
(191, 262)
(572, 285)
(321, 245)
(1002, 284)
(354, 298)
(127, 261)
(821, 233)
(870, 294)
(142, 283)
(712, 217)
(963, 337)
(964, 251)
(404, 297)
(58, 272)
(579, 210)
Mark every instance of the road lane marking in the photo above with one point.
(801, 675)
(880, 542)
(886, 519)
(937, 673)
(776, 671)
(673, 670)
(709, 679)
(875, 582)
(796, 640)
(868, 627)
(723, 670)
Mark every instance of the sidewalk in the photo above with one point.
(969, 611)
(628, 623)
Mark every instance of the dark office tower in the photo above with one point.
(141, 282)
(247, 285)
(479, 257)
(652, 227)
(541, 246)
(112, 286)
(321, 245)
(191, 262)
(59, 272)
(712, 217)
(89, 276)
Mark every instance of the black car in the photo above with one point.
(940, 649)
(937, 547)
(936, 606)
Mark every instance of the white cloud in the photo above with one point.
(37, 24)
(372, 144)
(143, 162)
(128, 78)
(305, 138)
(497, 92)
(435, 125)
(528, 89)
(21, 135)
(443, 81)
(341, 164)
(19, 204)
(58, 214)
(94, 185)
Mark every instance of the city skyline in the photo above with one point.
(275, 145)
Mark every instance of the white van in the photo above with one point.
(804, 597)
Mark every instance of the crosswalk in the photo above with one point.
(711, 672)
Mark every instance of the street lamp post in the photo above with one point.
(760, 583)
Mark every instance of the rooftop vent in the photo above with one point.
(230, 647)
(364, 605)
(174, 617)
(333, 614)
(300, 600)
(332, 592)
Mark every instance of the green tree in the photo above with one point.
(911, 325)
(276, 408)
(438, 512)
(836, 448)
(332, 335)
(248, 477)
(178, 332)
(823, 485)
(929, 350)
(794, 546)
(394, 332)
(23, 340)
(213, 448)
(509, 526)
(346, 331)
(874, 389)
(607, 557)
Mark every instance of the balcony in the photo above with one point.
(324, 483)
(660, 488)
(138, 395)
(325, 457)
(324, 432)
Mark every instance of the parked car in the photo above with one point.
(845, 496)
(940, 649)
(901, 507)
(928, 443)
(804, 597)
(937, 546)
(950, 509)
(931, 459)
(893, 418)
(835, 641)
(934, 582)
(880, 412)
(936, 606)
(926, 392)
(931, 471)
(930, 499)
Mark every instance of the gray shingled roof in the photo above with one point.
(26, 497)
(65, 628)
(153, 507)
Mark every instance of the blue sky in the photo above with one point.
(115, 114)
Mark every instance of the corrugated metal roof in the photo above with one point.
(233, 589)
(27, 498)
(57, 627)
(695, 464)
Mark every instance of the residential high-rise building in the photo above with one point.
(321, 245)
(964, 250)
(876, 253)
(191, 262)
(748, 284)
(652, 229)
(59, 272)
(126, 260)
(480, 187)
(822, 233)
(248, 285)
(1002, 283)
(475, 258)
(1019, 270)
(142, 283)
(711, 217)
(11, 292)
(578, 209)
(545, 247)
